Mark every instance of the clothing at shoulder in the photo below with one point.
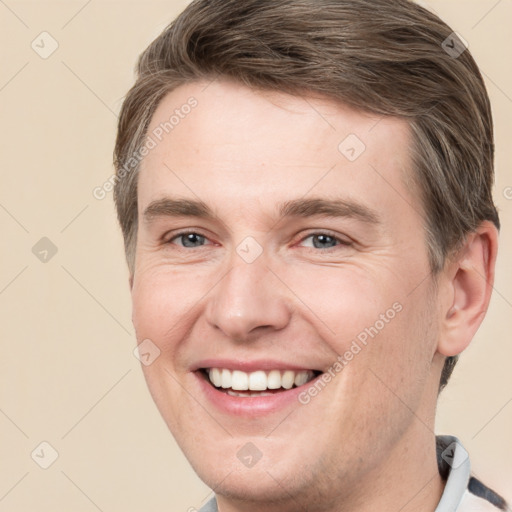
(211, 506)
(471, 503)
(462, 492)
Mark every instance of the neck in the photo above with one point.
(408, 480)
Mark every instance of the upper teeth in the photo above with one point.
(259, 380)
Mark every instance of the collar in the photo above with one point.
(454, 466)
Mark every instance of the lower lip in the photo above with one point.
(251, 406)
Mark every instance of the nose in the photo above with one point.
(249, 299)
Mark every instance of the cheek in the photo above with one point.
(163, 299)
(346, 303)
(151, 311)
(373, 322)
(162, 305)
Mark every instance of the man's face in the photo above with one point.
(300, 252)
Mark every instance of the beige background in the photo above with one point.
(67, 372)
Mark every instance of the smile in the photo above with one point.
(258, 383)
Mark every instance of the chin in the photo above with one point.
(279, 473)
(254, 485)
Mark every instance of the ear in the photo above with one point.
(467, 283)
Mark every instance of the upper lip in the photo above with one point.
(249, 365)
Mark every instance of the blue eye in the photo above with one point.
(192, 240)
(189, 240)
(323, 241)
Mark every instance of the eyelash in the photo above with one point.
(340, 241)
(182, 234)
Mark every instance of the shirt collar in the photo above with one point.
(454, 465)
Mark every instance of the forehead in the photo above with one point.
(222, 140)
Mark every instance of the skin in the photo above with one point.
(366, 441)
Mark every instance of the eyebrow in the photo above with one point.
(168, 207)
(329, 208)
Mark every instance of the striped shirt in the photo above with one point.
(462, 492)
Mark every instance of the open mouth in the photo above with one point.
(258, 383)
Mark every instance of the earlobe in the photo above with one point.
(469, 278)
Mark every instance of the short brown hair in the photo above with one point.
(386, 57)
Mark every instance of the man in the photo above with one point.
(304, 189)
